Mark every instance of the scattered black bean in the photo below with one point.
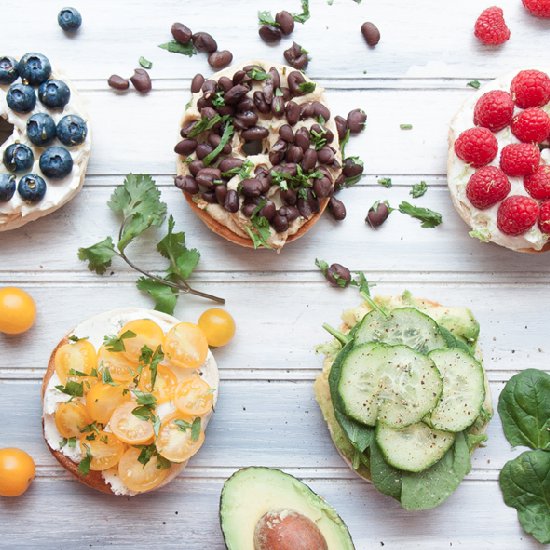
(235, 94)
(196, 83)
(326, 155)
(370, 33)
(240, 76)
(230, 163)
(289, 197)
(296, 56)
(301, 139)
(204, 101)
(309, 205)
(294, 154)
(269, 92)
(378, 214)
(274, 77)
(208, 112)
(286, 133)
(186, 147)
(181, 33)
(141, 81)
(289, 168)
(225, 83)
(195, 166)
(251, 187)
(219, 60)
(247, 118)
(203, 150)
(209, 196)
(341, 126)
(286, 22)
(289, 212)
(339, 182)
(209, 86)
(231, 203)
(268, 210)
(249, 206)
(286, 93)
(310, 160)
(245, 104)
(322, 187)
(187, 184)
(253, 147)
(260, 103)
(269, 33)
(255, 133)
(225, 110)
(356, 121)
(278, 106)
(307, 110)
(338, 275)
(206, 177)
(292, 111)
(352, 168)
(279, 222)
(295, 78)
(337, 208)
(320, 110)
(118, 83)
(204, 42)
(221, 192)
(277, 152)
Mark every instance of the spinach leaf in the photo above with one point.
(359, 435)
(384, 477)
(525, 485)
(524, 408)
(452, 341)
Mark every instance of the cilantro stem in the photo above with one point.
(340, 336)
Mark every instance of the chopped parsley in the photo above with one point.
(116, 343)
(259, 231)
(227, 135)
(385, 182)
(257, 73)
(243, 171)
(72, 388)
(475, 84)
(106, 377)
(75, 338)
(218, 99)
(195, 427)
(307, 87)
(84, 465)
(318, 139)
(428, 217)
(205, 124)
(406, 126)
(145, 63)
(418, 190)
(343, 144)
(177, 47)
(150, 451)
(265, 18)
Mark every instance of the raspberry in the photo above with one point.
(491, 28)
(544, 217)
(494, 110)
(476, 146)
(540, 8)
(531, 125)
(538, 184)
(487, 186)
(530, 89)
(519, 159)
(517, 214)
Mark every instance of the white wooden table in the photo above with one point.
(267, 414)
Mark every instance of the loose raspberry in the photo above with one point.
(519, 159)
(531, 125)
(544, 217)
(530, 89)
(517, 214)
(538, 184)
(491, 28)
(476, 146)
(540, 8)
(487, 186)
(494, 110)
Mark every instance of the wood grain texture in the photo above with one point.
(267, 414)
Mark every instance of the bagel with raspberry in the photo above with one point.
(127, 397)
(498, 169)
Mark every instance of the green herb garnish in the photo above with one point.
(476, 84)
(257, 73)
(195, 427)
(428, 217)
(406, 126)
(72, 388)
(305, 15)
(84, 464)
(265, 18)
(243, 171)
(148, 452)
(343, 144)
(145, 63)
(418, 190)
(116, 343)
(307, 87)
(75, 338)
(218, 99)
(106, 377)
(177, 47)
(227, 135)
(385, 182)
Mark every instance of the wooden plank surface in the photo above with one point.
(267, 414)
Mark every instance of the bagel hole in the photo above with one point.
(251, 148)
(6, 130)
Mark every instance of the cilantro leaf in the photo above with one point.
(418, 190)
(260, 231)
(428, 217)
(143, 412)
(99, 256)
(145, 63)
(164, 296)
(106, 377)
(205, 124)
(196, 429)
(265, 18)
(257, 73)
(322, 265)
(475, 84)
(218, 99)
(144, 398)
(227, 135)
(84, 464)
(163, 463)
(305, 15)
(483, 234)
(182, 260)
(343, 144)
(177, 47)
(385, 182)
(116, 343)
(243, 171)
(406, 126)
(307, 87)
(147, 452)
(72, 388)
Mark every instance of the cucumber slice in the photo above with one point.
(414, 448)
(406, 326)
(393, 384)
(463, 390)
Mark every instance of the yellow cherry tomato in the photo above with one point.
(175, 439)
(193, 396)
(218, 326)
(165, 383)
(130, 428)
(186, 346)
(138, 477)
(79, 357)
(104, 448)
(17, 310)
(147, 333)
(103, 399)
(16, 472)
(70, 418)
(120, 368)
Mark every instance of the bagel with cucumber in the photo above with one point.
(405, 396)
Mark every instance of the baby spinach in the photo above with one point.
(386, 479)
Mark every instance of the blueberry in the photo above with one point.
(41, 129)
(72, 130)
(32, 188)
(54, 93)
(69, 19)
(8, 70)
(18, 157)
(21, 98)
(35, 68)
(7, 187)
(56, 162)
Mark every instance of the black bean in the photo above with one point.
(310, 160)
(204, 42)
(292, 112)
(301, 139)
(378, 214)
(322, 187)
(260, 103)
(187, 127)
(286, 93)
(141, 81)
(309, 205)
(326, 155)
(118, 83)
(245, 104)
(339, 182)
(352, 168)
(265, 180)
(268, 210)
(253, 147)
(249, 206)
(186, 147)
(206, 177)
(274, 77)
(277, 152)
(307, 110)
(235, 94)
(294, 154)
(286, 22)
(286, 133)
(255, 133)
(204, 101)
(225, 83)
(337, 209)
(356, 121)
(296, 56)
(328, 135)
(195, 166)
(289, 212)
(219, 60)
(231, 202)
(225, 110)
(196, 83)
(247, 118)
(251, 187)
(215, 139)
(279, 223)
(221, 192)
(203, 150)
(230, 163)
(278, 106)
(187, 184)
(341, 126)
(320, 110)
(338, 275)
(269, 33)
(209, 86)
(288, 168)
(288, 196)
(181, 33)
(209, 196)
(295, 78)
(300, 62)
(370, 33)
(268, 92)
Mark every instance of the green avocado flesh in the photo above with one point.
(250, 493)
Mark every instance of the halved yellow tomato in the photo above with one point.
(147, 333)
(175, 440)
(70, 418)
(130, 428)
(137, 476)
(103, 399)
(186, 346)
(165, 383)
(79, 357)
(120, 368)
(193, 396)
(104, 448)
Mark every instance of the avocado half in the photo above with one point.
(250, 493)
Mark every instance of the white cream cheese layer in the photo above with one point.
(95, 329)
(484, 222)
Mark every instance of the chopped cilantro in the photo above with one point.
(428, 217)
(476, 84)
(227, 135)
(145, 63)
(265, 18)
(406, 126)
(305, 15)
(418, 190)
(75, 338)
(257, 73)
(116, 343)
(307, 87)
(106, 377)
(177, 47)
(72, 388)
(84, 465)
(218, 99)
(385, 182)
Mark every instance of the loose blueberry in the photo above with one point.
(56, 162)
(21, 98)
(7, 187)
(8, 70)
(54, 93)
(69, 19)
(32, 188)
(35, 68)
(18, 157)
(72, 130)
(41, 129)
